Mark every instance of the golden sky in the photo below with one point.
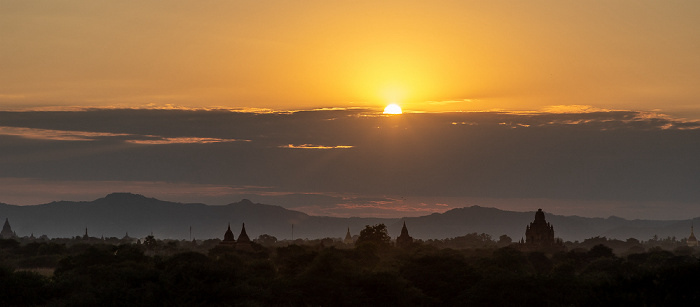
(423, 55)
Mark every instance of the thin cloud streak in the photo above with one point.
(183, 140)
(572, 109)
(63, 135)
(56, 135)
(176, 107)
(312, 146)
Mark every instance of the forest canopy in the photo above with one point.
(177, 273)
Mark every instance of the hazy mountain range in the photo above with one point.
(119, 213)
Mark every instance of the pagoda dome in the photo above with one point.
(228, 236)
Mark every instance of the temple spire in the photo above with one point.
(404, 240)
(244, 243)
(348, 237)
(7, 232)
(539, 235)
(692, 241)
(243, 237)
(228, 236)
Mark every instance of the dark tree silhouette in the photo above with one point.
(266, 240)
(504, 239)
(376, 234)
(600, 250)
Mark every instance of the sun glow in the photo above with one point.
(393, 109)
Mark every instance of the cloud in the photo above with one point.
(614, 155)
(169, 107)
(181, 140)
(588, 117)
(63, 135)
(572, 109)
(312, 146)
(627, 120)
(55, 135)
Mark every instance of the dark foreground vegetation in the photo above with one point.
(371, 273)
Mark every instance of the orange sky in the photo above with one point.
(424, 55)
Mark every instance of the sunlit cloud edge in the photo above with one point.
(314, 146)
(636, 116)
(83, 136)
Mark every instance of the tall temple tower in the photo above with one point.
(228, 237)
(348, 237)
(404, 240)
(692, 241)
(6, 232)
(243, 243)
(539, 232)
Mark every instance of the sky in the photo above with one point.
(581, 107)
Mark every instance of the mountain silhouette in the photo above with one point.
(497, 222)
(118, 213)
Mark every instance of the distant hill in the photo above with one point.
(570, 228)
(119, 213)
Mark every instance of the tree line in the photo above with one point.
(372, 272)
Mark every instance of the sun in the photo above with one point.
(392, 109)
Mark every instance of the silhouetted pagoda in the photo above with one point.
(404, 240)
(539, 235)
(228, 238)
(692, 241)
(348, 237)
(539, 232)
(243, 243)
(127, 238)
(7, 232)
